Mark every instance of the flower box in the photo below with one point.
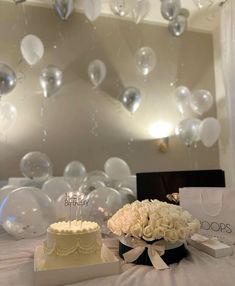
(153, 232)
(170, 256)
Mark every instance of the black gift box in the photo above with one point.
(170, 256)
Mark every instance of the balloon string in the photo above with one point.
(25, 18)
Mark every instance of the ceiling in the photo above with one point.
(205, 19)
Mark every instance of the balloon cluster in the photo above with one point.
(171, 11)
(27, 211)
(130, 98)
(191, 130)
(137, 8)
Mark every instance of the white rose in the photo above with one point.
(148, 233)
(159, 232)
(136, 230)
(171, 236)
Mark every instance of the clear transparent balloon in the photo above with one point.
(94, 180)
(131, 99)
(8, 115)
(141, 9)
(121, 7)
(127, 195)
(7, 79)
(51, 79)
(55, 187)
(145, 60)
(128, 182)
(74, 174)
(92, 9)
(182, 94)
(27, 212)
(36, 166)
(201, 101)
(189, 130)
(117, 168)
(102, 204)
(4, 191)
(97, 72)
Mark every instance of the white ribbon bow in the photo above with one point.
(203, 239)
(155, 251)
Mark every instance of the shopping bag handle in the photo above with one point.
(219, 209)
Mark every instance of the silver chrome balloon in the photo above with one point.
(131, 99)
(64, 8)
(170, 9)
(179, 24)
(7, 79)
(51, 79)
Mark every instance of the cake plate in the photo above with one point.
(61, 276)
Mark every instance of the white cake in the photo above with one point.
(70, 244)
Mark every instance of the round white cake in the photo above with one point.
(70, 244)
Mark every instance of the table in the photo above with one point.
(199, 269)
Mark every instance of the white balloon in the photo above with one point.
(8, 115)
(141, 9)
(182, 94)
(32, 49)
(209, 131)
(117, 168)
(97, 72)
(92, 9)
(55, 187)
(201, 101)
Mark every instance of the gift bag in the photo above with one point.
(214, 208)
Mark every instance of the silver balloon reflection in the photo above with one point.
(97, 72)
(64, 8)
(145, 60)
(26, 212)
(7, 79)
(8, 115)
(36, 166)
(51, 79)
(170, 8)
(201, 101)
(141, 9)
(131, 99)
(121, 7)
(188, 131)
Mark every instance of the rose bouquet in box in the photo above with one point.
(152, 232)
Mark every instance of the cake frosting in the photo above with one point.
(70, 244)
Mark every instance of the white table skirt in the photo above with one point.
(199, 269)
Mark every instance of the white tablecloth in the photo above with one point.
(199, 269)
